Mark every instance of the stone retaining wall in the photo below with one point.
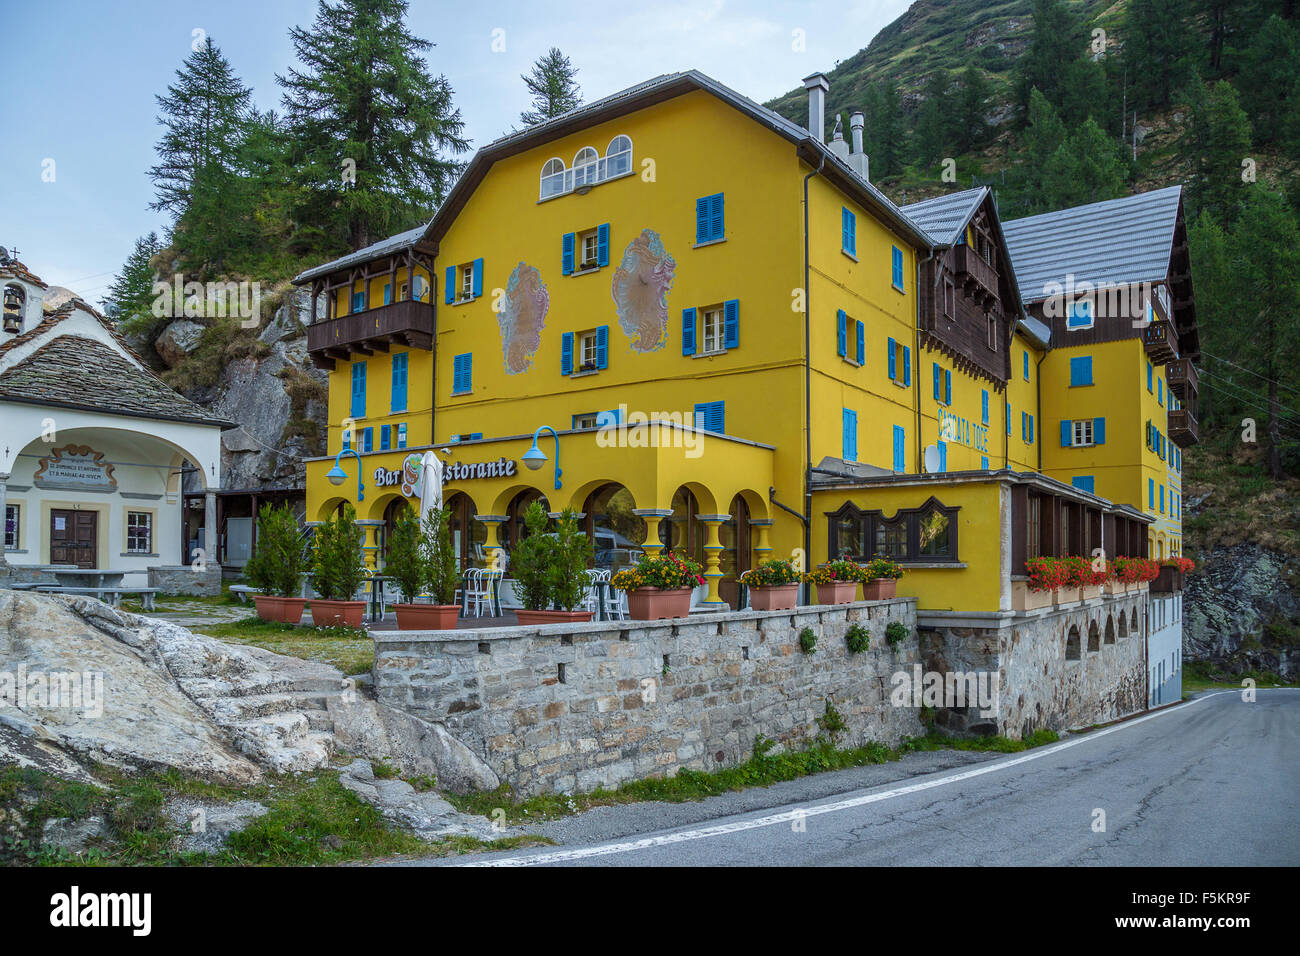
(1039, 686)
(580, 706)
(183, 579)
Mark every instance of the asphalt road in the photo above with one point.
(1215, 781)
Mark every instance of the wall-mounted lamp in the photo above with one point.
(534, 458)
(337, 475)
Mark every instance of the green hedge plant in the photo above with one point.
(337, 562)
(277, 562)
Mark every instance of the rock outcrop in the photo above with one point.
(178, 340)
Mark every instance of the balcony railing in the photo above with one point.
(1183, 380)
(970, 265)
(1169, 582)
(1183, 430)
(374, 330)
(1160, 341)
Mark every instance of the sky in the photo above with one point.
(78, 119)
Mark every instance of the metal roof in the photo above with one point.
(377, 250)
(1119, 241)
(944, 217)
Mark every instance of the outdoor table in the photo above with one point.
(464, 594)
(89, 577)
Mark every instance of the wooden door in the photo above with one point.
(74, 537)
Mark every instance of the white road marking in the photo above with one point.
(786, 816)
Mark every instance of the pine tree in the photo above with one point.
(1158, 45)
(553, 87)
(934, 138)
(972, 125)
(202, 119)
(369, 125)
(884, 131)
(1218, 140)
(129, 301)
(1060, 168)
(1056, 43)
(1269, 80)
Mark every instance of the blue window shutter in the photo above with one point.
(717, 222)
(462, 373)
(388, 293)
(401, 435)
(385, 432)
(841, 334)
(688, 331)
(943, 456)
(358, 301)
(907, 365)
(897, 265)
(891, 355)
(359, 390)
(1160, 390)
(567, 245)
(702, 219)
(1031, 429)
(1025, 356)
(938, 381)
(947, 387)
(718, 418)
(1067, 433)
(1083, 483)
(1008, 418)
(449, 286)
(398, 403)
(566, 353)
(1081, 370)
(1024, 426)
(731, 324)
(1151, 493)
(1099, 431)
(984, 402)
(848, 434)
(846, 232)
(602, 347)
(984, 463)
(862, 343)
(368, 439)
(478, 278)
(900, 448)
(602, 245)
(1149, 375)
(1162, 498)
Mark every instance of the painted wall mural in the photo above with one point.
(640, 290)
(522, 317)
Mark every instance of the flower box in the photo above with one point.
(654, 604)
(525, 616)
(335, 613)
(1090, 591)
(879, 589)
(837, 592)
(285, 610)
(1023, 598)
(1064, 596)
(427, 617)
(1170, 580)
(774, 597)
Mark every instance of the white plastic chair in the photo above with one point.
(475, 591)
(591, 597)
(491, 582)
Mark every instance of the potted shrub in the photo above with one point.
(276, 565)
(418, 562)
(880, 581)
(548, 569)
(659, 586)
(773, 585)
(836, 581)
(337, 571)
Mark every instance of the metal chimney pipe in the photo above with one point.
(817, 86)
(860, 160)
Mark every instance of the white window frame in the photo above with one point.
(1081, 432)
(712, 319)
(135, 526)
(587, 345)
(613, 157)
(16, 543)
(589, 239)
(467, 282)
(586, 167)
(1070, 311)
(554, 178)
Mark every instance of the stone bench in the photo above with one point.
(114, 594)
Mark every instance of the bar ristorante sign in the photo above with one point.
(408, 475)
(75, 468)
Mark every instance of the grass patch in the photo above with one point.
(348, 649)
(1203, 675)
(312, 820)
(762, 769)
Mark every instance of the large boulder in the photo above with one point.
(177, 341)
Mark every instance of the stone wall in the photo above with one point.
(183, 579)
(581, 706)
(1039, 686)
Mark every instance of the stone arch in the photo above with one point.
(1123, 624)
(1110, 629)
(1094, 637)
(1072, 645)
(511, 531)
(759, 510)
(329, 507)
(503, 498)
(1133, 627)
(377, 507)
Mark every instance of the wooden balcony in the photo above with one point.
(1183, 380)
(374, 330)
(1161, 342)
(972, 270)
(1183, 430)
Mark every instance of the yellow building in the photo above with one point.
(736, 351)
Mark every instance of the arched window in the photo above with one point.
(1123, 625)
(585, 167)
(552, 178)
(618, 158)
(1072, 645)
(1110, 629)
(1094, 637)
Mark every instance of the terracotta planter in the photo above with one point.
(838, 592)
(551, 617)
(334, 613)
(776, 597)
(654, 604)
(880, 589)
(286, 610)
(427, 617)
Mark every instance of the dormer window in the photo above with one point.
(15, 299)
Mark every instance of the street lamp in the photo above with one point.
(534, 458)
(337, 475)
